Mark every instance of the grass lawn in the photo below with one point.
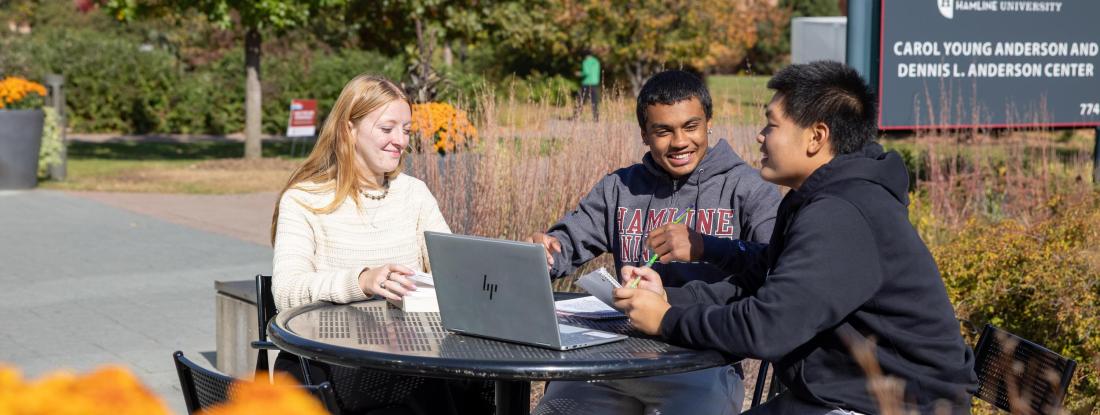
(204, 168)
(739, 100)
(739, 88)
(226, 176)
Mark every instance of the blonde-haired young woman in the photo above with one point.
(350, 225)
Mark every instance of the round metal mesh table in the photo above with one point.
(375, 334)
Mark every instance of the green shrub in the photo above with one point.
(1039, 280)
(111, 85)
(114, 85)
(52, 146)
(206, 102)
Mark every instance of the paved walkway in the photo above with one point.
(246, 217)
(84, 282)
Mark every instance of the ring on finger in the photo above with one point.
(382, 284)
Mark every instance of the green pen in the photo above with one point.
(652, 259)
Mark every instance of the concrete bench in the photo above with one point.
(235, 303)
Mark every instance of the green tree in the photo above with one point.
(800, 8)
(632, 38)
(254, 16)
(418, 29)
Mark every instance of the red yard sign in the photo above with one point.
(303, 118)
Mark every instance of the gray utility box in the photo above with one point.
(235, 303)
(818, 38)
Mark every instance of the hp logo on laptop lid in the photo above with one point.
(486, 286)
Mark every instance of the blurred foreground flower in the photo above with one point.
(111, 390)
(264, 398)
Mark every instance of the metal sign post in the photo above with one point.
(1096, 158)
(861, 51)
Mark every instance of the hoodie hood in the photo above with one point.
(871, 163)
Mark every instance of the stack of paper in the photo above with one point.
(587, 307)
(423, 300)
(599, 283)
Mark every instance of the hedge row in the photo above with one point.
(113, 84)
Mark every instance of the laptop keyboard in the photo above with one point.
(567, 329)
(573, 335)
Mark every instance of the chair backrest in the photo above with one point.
(1018, 375)
(265, 310)
(265, 303)
(203, 387)
(774, 386)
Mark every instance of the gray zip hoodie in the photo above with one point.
(731, 202)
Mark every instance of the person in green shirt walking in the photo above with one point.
(590, 86)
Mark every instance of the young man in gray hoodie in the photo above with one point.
(631, 211)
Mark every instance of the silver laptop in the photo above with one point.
(501, 290)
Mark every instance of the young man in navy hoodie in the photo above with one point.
(635, 205)
(844, 268)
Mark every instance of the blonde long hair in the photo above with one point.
(331, 165)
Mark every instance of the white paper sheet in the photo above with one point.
(599, 283)
(423, 278)
(586, 304)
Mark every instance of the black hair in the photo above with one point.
(670, 87)
(833, 93)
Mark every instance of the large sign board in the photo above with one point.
(998, 64)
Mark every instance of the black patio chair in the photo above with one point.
(774, 387)
(265, 310)
(203, 387)
(1020, 376)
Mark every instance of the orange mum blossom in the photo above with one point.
(109, 390)
(13, 89)
(269, 399)
(114, 390)
(445, 126)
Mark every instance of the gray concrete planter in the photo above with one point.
(20, 141)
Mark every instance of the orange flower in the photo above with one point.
(268, 399)
(13, 89)
(110, 390)
(113, 390)
(443, 126)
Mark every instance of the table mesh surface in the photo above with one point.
(377, 326)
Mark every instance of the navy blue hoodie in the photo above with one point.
(843, 265)
(731, 202)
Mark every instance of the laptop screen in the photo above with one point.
(493, 288)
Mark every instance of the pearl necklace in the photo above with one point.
(385, 191)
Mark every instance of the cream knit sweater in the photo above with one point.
(319, 257)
